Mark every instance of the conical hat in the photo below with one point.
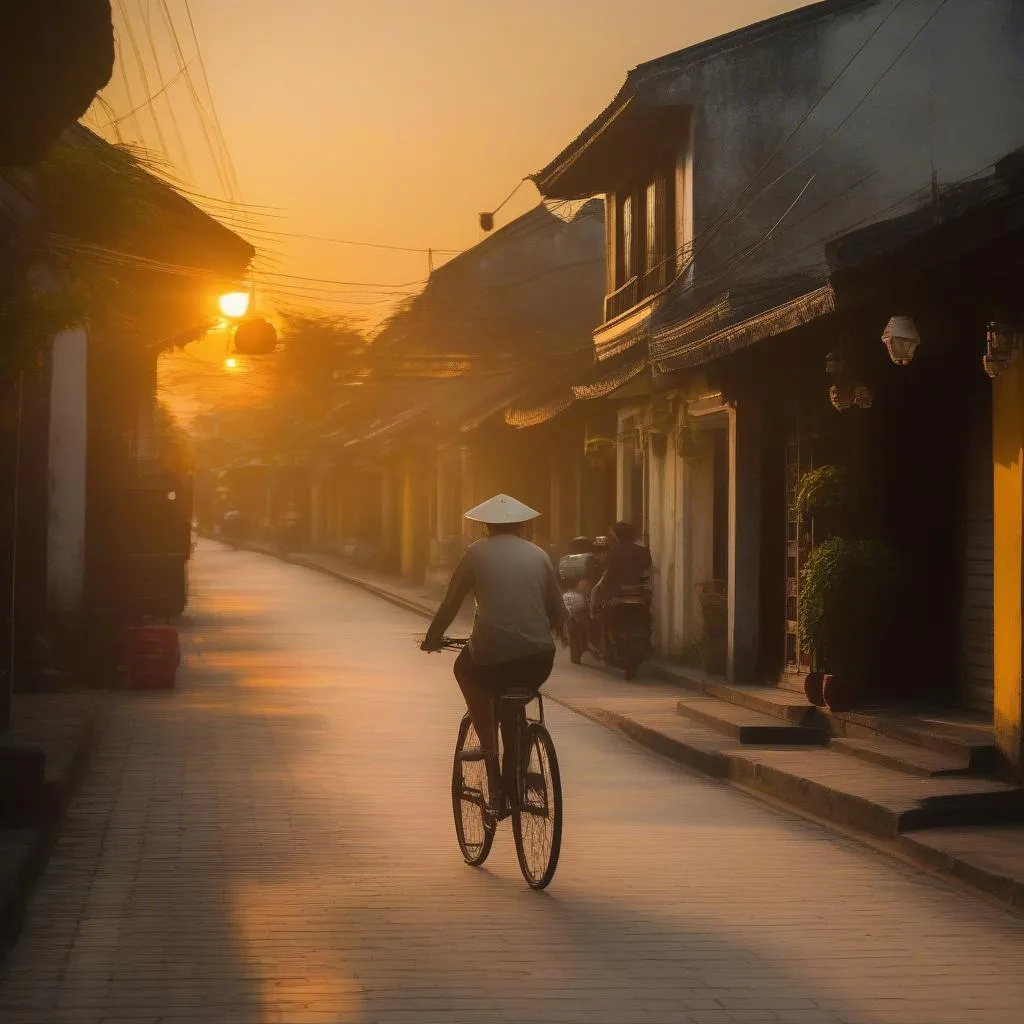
(501, 509)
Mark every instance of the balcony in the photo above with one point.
(635, 290)
(623, 299)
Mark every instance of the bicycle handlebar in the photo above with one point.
(451, 643)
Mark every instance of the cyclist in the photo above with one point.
(518, 607)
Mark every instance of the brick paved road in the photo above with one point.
(272, 843)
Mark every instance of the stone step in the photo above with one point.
(901, 757)
(973, 745)
(746, 725)
(817, 780)
(961, 742)
(769, 700)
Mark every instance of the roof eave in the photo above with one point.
(550, 180)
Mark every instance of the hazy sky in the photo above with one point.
(392, 121)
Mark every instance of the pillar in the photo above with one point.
(67, 459)
(744, 541)
(1008, 595)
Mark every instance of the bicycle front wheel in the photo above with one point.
(474, 828)
(537, 814)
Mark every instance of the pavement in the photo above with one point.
(972, 826)
(64, 727)
(272, 844)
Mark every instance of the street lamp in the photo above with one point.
(901, 339)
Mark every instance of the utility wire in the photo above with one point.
(147, 21)
(130, 29)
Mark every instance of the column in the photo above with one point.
(744, 541)
(1008, 483)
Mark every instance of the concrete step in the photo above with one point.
(817, 780)
(963, 743)
(937, 733)
(746, 725)
(769, 700)
(902, 757)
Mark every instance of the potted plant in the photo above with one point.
(847, 602)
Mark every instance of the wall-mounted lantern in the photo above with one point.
(1003, 345)
(842, 396)
(901, 339)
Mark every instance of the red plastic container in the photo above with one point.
(152, 656)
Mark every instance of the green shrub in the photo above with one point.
(848, 597)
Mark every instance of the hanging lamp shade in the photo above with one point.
(901, 339)
(255, 337)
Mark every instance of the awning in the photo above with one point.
(740, 318)
(533, 414)
(384, 427)
(610, 382)
(609, 345)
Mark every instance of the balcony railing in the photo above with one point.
(635, 290)
(624, 298)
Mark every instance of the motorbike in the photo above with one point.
(620, 635)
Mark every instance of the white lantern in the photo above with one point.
(841, 396)
(1002, 347)
(901, 339)
(862, 397)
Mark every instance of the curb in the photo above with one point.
(41, 839)
(1008, 891)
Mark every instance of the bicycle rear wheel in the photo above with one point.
(537, 814)
(474, 829)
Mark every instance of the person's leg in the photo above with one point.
(481, 709)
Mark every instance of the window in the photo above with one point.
(645, 239)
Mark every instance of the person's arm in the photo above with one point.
(460, 587)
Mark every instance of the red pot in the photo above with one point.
(839, 693)
(813, 683)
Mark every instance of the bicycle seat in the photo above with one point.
(520, 694)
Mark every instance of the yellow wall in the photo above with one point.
(1008, 466)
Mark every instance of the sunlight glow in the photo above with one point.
(234, 305)
(231, 363)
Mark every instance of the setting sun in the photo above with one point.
(231, 363)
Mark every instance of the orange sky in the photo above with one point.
(393, 121)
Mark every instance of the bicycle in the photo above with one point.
(535, 796)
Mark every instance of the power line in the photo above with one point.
(129, 28)
(367, 245)
(692, 248)
(230, 164)
(807, 115)
(196, 103)
(147, 21)
(145, 103)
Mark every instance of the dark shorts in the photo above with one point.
(524, 673)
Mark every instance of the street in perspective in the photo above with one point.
(512, 515)
(273, 841)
